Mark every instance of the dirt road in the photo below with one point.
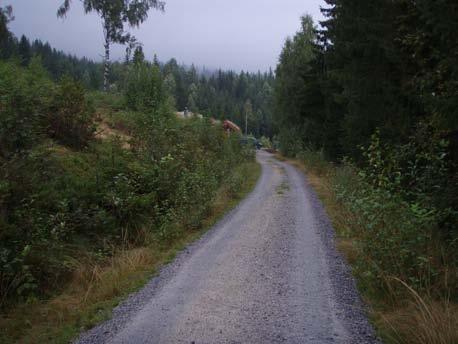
(267, 273)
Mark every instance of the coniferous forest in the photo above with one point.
(218, 94)
(101, 182)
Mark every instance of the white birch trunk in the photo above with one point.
(106, 61)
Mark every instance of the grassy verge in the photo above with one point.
(97, 288)
(400, 318)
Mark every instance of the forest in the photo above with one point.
(367, 99)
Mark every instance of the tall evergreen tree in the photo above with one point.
(6, 15)
(24, 50)
(7, 40)
(139, 56)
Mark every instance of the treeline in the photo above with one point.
(374, 90)
(380, 64)
(219, 94)
(224, 95)
(57, 63)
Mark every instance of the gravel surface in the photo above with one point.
(267, 273)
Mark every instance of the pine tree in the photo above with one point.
(8, 42)
(25, 51)
(139, 56)
(6, 15)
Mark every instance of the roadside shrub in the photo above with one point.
(395, 237)
(59, 201)
(290, 143)
(71, 117)
(266, 143)
(25, 95)
(314, 160)
(56, 202)
(400, 225)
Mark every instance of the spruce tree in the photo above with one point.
(7, 40)
(25, 51)
(6, 15)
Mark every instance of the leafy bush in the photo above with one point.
(395, 237)
(70, 117)
(25, 95)
(290, 143)
(57, 204)
(403, 229)
(314, 160)
(266, 143)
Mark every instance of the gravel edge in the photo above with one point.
(353, 312)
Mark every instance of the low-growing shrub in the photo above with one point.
(401, 229)
(71, 118)
(314, 160)
(25, 96)
(63, 194)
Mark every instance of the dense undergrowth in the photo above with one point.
(404, 262)
(72, 196)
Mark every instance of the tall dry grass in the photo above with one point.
(421, 320)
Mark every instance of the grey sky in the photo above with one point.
(236, 34)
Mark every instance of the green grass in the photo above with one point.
(97, 288)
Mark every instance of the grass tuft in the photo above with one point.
(422, 320)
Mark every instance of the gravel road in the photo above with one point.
(267, 273)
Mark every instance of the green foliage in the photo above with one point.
(144, 88)
(71, 117)
(24, 103)
(217, 94)
(266, 142)
(400, 204)
(64, 194)
(315, 160)
(6, 15)
(394, 237)
(223, 95)
(289, 143)
(33, 107)
(305, 114)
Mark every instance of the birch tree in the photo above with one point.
(115, 15)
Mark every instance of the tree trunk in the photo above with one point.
(106, 71)
(246, 124)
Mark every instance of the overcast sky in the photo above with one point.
(236, 34)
